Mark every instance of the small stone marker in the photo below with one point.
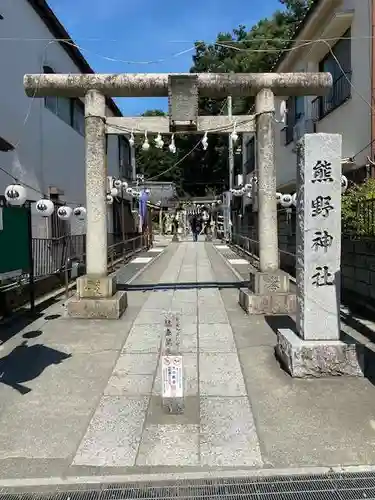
(171, 366)
(315, 349)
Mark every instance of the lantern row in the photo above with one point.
(285, 200)
(159, 143)
(16, 195)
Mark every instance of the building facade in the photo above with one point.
(337, 37)
(42, 140)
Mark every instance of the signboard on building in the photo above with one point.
(14, 242)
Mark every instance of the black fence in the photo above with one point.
(360, 221)
(54, 255)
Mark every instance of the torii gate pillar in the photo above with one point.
(96, 291)
(269, 290)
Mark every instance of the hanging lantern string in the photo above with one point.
(17, 181)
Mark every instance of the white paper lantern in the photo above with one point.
(147, 191)
(114, 192)
(344, 183)
(129, 190)
(248, 187)
(44, 207)
(15, 195)
(80, 213)
(278, 197)
(109, 199)
(286, 201)
(64, 212)
(125, 185)
(294, 199)
(117, 184)
(243, 190)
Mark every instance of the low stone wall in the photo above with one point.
(358, 269)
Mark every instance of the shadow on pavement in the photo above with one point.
(11, 327)
(280, 322)
(25, 363)
(32, 334)
(15, 324)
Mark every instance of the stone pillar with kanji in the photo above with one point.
(314, 349)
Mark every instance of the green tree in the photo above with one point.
(356, 213)
(242, 51)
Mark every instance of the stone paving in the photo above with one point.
(130, 428)
(82, 398)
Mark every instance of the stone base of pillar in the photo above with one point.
(318, 358)
(268, 293)
(270, 304)
(97, 298)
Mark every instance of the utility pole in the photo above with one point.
(231, 170)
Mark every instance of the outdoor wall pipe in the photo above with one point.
(156, 84)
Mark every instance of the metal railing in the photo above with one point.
(51, 254)
(287, 260)
(361, 221)
(340, 92)
(54, 255)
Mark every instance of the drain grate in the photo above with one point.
(351, 486)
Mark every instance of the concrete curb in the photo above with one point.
(237, 275)
(71, 481)
(146, 266)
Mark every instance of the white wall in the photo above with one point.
(50, 152)
(352, 119)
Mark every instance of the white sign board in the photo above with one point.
(172, 379)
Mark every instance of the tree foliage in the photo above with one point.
(242, 51)
(355, 209)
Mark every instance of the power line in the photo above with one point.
(17, 181)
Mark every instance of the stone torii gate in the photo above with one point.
(96, 292)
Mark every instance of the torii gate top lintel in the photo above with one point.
(158, 84)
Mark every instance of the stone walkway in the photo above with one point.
(129, 427)
(82, 398)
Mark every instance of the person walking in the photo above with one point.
(195, 228)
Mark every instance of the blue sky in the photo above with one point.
(149, 30)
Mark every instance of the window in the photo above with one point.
(5, 146)
(339, 64)
(58, 227)
(79, 116)
(50, 102)
(295, 111)
(125, 169)
(64, 109)
(250, 156)
(70, 111)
